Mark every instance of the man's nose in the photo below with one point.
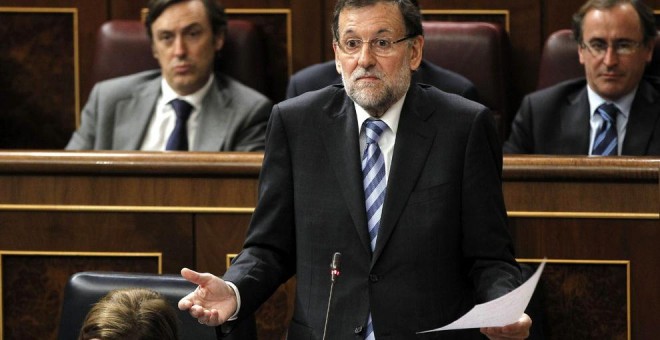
(179, 46)
(611, 56)
(366, 57)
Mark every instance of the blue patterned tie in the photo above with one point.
(374, 181)
(605, 143)
(179, 138)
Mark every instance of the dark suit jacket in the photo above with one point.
(555, 120)
(118, 112)
(318, 76)
(443, 243)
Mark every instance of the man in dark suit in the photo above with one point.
(615, 42)
(318, 76)
(420, 222)
(137, 112)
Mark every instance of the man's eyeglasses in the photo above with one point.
(598, 48)
(379, 46)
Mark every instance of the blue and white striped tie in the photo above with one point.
(605, 143)
(374, 181)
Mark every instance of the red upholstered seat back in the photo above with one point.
(480, 51)
(559, 59)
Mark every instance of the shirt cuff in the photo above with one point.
(238, 300)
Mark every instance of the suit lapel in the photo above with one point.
(574, 122)
(641, 121)
(340, 139)
(133, 116)
(214, 119)
(413, 143)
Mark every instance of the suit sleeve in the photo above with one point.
(471, 93)
(520, 140)
(487, 245)
(268, 256)
(291, 88)
(83, 138)
(252, 136)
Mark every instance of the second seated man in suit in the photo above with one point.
(402, 179)
(321, 75)
(139, 112)
(615, 41)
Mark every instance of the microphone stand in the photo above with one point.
(334, 273)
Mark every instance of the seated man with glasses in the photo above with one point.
(615, 110)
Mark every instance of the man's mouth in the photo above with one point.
(184, 68)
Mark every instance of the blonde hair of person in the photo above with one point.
(131, 314)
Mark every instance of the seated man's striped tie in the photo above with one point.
(606, 141)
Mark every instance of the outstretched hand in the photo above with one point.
(517, 330)
(212, 302)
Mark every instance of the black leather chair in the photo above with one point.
(86, 288)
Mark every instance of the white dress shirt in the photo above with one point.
(623, 104)
(388, 137)
(164, 118)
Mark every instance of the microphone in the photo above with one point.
(334, 266)
(334, 274)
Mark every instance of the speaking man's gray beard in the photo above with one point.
(376, 99)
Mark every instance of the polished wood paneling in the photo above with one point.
(41, 276)
(157, 181)
(220, 237)
(41, 72)
(593, 290)
(596, 219)
(39, 60)
(136, 212)
(590, 209)
(49, 246)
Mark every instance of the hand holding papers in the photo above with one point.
(500, 312)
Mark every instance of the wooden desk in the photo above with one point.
(596, 219)
(65, 212)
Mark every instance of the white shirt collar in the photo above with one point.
(624, 103)
(195, 99)
(390, 117)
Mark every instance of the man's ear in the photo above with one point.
(337, 63)
(219, 41)
(416, 53)
(580, 52)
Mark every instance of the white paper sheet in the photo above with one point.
(502, 311)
